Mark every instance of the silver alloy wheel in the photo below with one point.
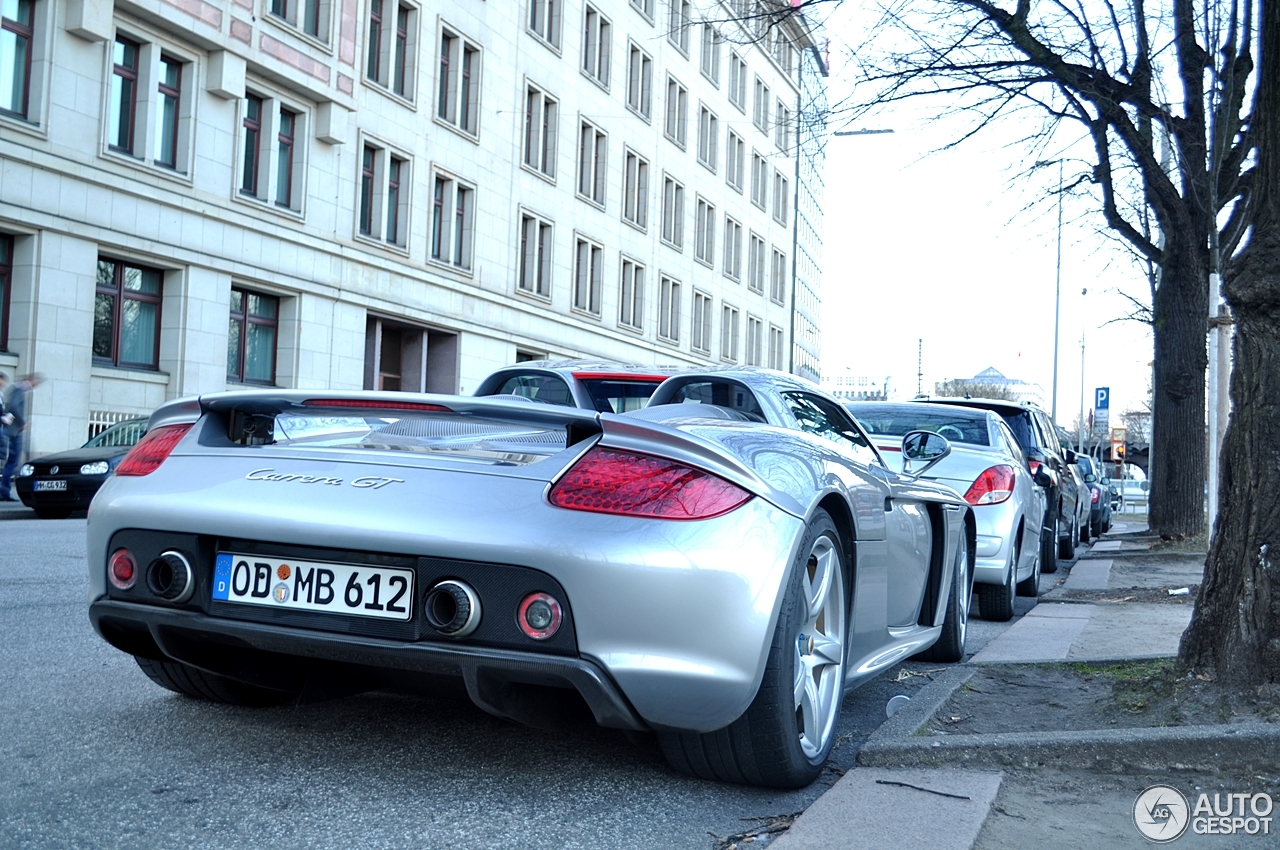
(819, 654)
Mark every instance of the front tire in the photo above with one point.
(1049, 549)
(995, 602)
(198, 684)
(784, 737)
(955, 627)
(1067, 544)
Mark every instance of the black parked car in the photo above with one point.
(1038, 437)
(57, 484)
(1099, 494)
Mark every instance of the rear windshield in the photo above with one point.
(895, 420)
(619, 395)
(464, 437)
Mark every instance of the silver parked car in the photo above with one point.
(720, 567)
(989, 468)
(589, 384)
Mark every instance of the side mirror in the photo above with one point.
(1043, 477)
(923, 446)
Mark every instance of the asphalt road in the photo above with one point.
(93, 755)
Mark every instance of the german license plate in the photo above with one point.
(42, 486)
(356, 589)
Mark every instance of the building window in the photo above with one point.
(592, 163)
(729, 333)
(126, 315)
(631, 295)
(755, 264)
(783, 51)
(124, 94)
(778, 279)
(677, 111)
(678, 26)
(700, 331)
(644, 7)
(384, 195)
(732, 249)
(153, 129)
(271, 170)
(544, 21)
(6, 287)
(452, 221)
(541, 118)
(251, 337)
(597, 46)
(458, 86)
(640, 82)
(635, 190)
(535, 255)
(672, 213)
(755, 341)
(782, 127)
(781, 198)
(711, 42)
(310, 16)
(737, 80)
(735, 160)
(17, 26)
(759, 181)
(760, 113)
(373, 60)
(704, 236)
(669, 310)
(708, 135)
(588, 267)
(775, 347)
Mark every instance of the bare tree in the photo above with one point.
(1159, 91)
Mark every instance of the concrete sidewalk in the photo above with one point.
(1113, 605)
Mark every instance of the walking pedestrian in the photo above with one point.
(5, 419)
(18, 412)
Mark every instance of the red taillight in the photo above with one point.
(1094, 492)
(629, 377)
(992, 487)
(375, 404)
(608, 481)
(152, 449)
(122, 569)
(1034, 466)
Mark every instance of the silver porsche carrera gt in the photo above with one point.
(719, 567)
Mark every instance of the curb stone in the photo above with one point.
(1246, 746)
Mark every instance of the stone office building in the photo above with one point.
(206, 194)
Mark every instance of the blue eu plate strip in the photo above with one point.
(222, 576)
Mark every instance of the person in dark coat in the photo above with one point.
(5, 420)
(18, 413)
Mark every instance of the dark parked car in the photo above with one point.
(57, 484)
(1099, 494)
(1038, 437)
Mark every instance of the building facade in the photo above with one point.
(811, 133)
(207, 194)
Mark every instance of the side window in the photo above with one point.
(815, 415)
(1007, 440)
(722, 394)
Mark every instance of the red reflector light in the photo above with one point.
(122, 569)
(152, 449)
(377, 404)
(608, 481)
(993, 486)
(620, 376)
(1094, 492)
(539, 615)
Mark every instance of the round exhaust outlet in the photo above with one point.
(170, 577)
(452, 608)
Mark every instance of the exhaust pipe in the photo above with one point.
(452, 608)
(170, 577)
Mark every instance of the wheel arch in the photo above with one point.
(837, 508)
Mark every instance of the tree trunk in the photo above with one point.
(1178, 430)
(1235, 632)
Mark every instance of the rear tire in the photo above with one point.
(1085, 528)
(784, 737)
(1049, 549)
(1067, 545)
(198, 684)
(950, 646)
(995, 601)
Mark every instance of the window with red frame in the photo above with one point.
(251, 337)
(124, 94)
(6, 287)
(126, 315)
(17, 20)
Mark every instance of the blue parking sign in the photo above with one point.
(1102, 398)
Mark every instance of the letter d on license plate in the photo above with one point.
(356, 589)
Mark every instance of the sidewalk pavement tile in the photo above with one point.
(1131, 630)
(1089, 575)
(1046, 633)
(1107, 546)
(860, 811)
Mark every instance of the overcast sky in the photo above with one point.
(933, 247)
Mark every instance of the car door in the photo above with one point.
(883, 496)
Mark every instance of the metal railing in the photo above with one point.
(101, 420)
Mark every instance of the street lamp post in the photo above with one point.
(1057, 300)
